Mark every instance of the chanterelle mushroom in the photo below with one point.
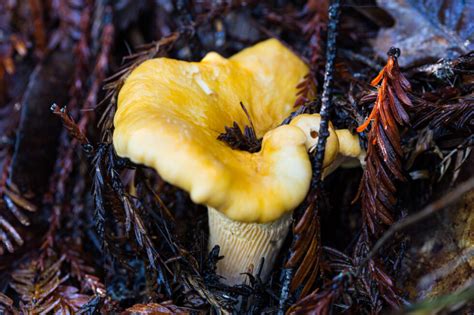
(169, 116)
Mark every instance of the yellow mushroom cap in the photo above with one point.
(309, 123)
(348, 143)
(171, 112)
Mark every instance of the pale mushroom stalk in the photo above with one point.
(246, 244)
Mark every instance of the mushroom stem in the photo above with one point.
(243, 245)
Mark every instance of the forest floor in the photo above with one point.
(84, 231)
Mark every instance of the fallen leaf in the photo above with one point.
(427, 30)
(442, 249)
(155, 309)
(38, 133)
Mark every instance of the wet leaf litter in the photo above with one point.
(84, 230)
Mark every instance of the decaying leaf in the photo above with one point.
(427, 29)
(155, 309)
(464, 226)
(443, 253)
(36, 145)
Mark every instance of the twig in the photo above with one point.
(327, 91)
(71, 126)
(361, 58)
(333, 13)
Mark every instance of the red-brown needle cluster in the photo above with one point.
(384, 152)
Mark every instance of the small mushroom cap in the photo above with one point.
(171, 112)
(349, 143)
(309, 123)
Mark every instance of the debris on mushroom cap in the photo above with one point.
(309, 123)
(171, 112)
